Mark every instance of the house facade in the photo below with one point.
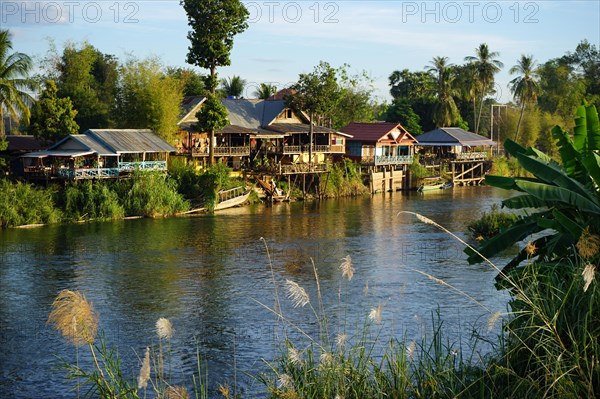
(379, 144)
(260, 131)
(99, 154)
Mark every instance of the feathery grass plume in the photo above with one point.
(375, 314)
(424, 219)
(297, 294)
(588, 274)
(492, 320)
(224, 390)
(176, 392)
(410, 349)
(164, 328)
(285, 381)
(530, 249)
(295, 356)
(74, 317)
(341, 340)
(588, 244)
(144, 376)
(326, 359)
(366, 289)
(347, 268)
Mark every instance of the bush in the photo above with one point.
(491, 223)
(345, 180)
(91, 200)
(151, 194)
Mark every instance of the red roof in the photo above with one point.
(375, 131)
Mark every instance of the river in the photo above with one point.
(210, 276)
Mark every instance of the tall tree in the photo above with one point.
(149, 98)
(89, 78)
(400, 111)
(213, 25)
(193, 82)
(14, 82)
(486, 66)
(52, 118)
(445, 111)
(317, 93)
(265, 90)
(524, 87)
(233, 86)
(355, 104)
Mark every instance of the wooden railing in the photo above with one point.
(225, 195)
(298, 149)
(237, 151)
(391, 160)
(142, 165)
(292, 149)
(199, 151)
(471, 156)
(87, 173)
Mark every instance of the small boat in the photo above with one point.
(433, 184)
(234, 197)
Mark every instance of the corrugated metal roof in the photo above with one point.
(374, 131)
(245, 113)
(130, 140)
(93, 145)
(447, 136)
(292, 128)
(23, 143)
(188, 105)
(272, 109)
(58, 153)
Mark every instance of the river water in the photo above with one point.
(211, 276)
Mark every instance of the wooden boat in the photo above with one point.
(433, 184)
(236, 201)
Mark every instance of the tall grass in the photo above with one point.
(344, 180)
(491, 223)
(91, 200)
(22, 203)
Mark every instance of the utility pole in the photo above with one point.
(492, 125)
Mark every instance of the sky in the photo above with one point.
(286, 38)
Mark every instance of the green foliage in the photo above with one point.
(318, 92)
(265, 90)
(89, 78)
(508, 167)
(193, 82)
(345, 180)
(212, 116)
(418, 171)
(411, 85)
(24, 204)
(15, 83)
(213, 25)
(233, 86)
(355, 104)
(565, 196)
(151, 194)
(214, 178)
(91, 200)
(148, 98)
(491, 223)
(400, 111)
(52, 118)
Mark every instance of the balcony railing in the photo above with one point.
(236, 151)
(298, 149)
(142, 165)
(87, 173)
(199, 151)
(471, 156)
(393, 160)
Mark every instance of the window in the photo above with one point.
(289, 114)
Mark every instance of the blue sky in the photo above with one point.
(286, 38)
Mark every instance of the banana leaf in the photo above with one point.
(526, 201)
(517, 232)
(569, 156)
(591, 162)
(548, 192)
(580, 133)
(553, 174)
(593, 128)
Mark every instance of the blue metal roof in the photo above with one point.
(453, 136)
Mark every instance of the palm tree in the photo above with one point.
(233, 86)
(265, 90)
(524, 87)
(486, 66)
(14, 69)
(446, 111)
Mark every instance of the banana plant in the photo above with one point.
(558, 203)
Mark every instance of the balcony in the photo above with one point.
(472, 156)
(142, 165)
(299, 149)
(393, 160)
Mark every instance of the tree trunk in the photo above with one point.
(310, 140)
(479, 113)
(519, 122)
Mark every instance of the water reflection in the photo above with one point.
(207, 274)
